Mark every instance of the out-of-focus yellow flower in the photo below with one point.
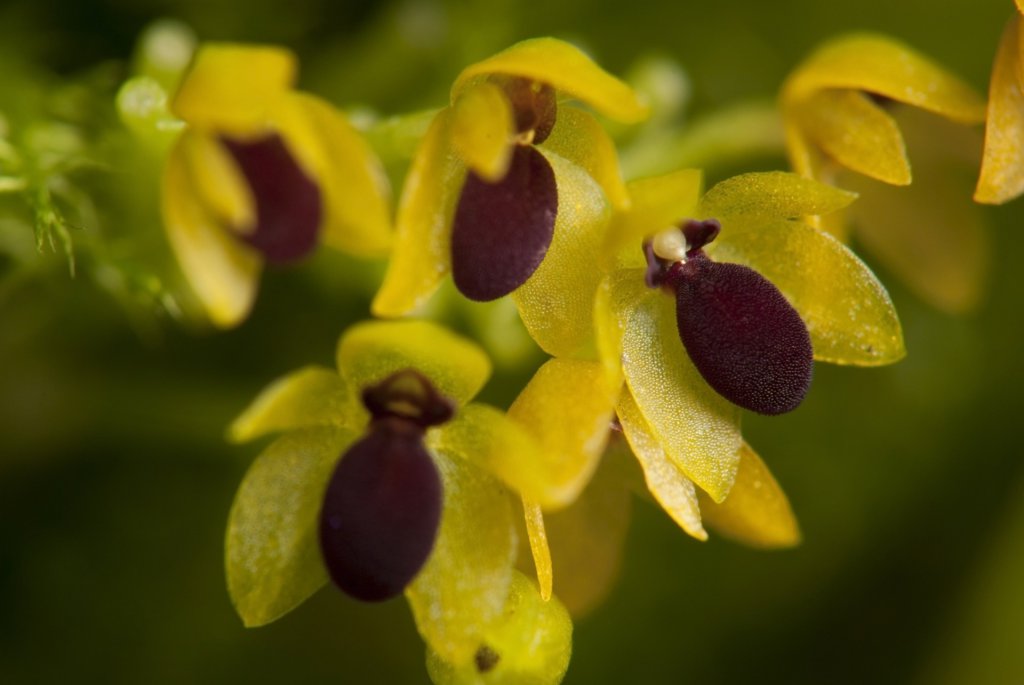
(474, 611)
(511, 184)
(843, 112)
(1002, 166)
(262, 174)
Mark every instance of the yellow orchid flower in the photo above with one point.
(845, 110)
(1002, 166)
(262, 174)
(510, 181)
(313, 506)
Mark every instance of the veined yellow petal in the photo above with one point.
(463, 586)
(350, 177)
(770, 196)
(531, 643)
(422, 251)
(697, 427)
(1002, 167)
(566, 68)
(567, 409)
(556, 303)
(482, 129)
(312, 396)
(539, 548)
(370, 351)
(222, 271)
(272, 548)
(586, 541)
(231, 87)
(855, 132)
(878, 64)
(579, 137)
(848, 312)
(756, 512)
(675, 492)
(219, 182)
(656, 203)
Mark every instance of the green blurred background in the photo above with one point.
(115, 478)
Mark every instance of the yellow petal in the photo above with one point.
(219, 182)
(556, 302)
(539, 548)
(350, 177)
(657, 203)
(855, 132)
(770, 196)
(530, 644)
(567, 409)
(482, 129)
(878, 64)
(674, 492)
(222, 271)
(567, 69)
(586, 541)
(370, 351)
(756, 512)
(579, 137)
(422, 252)
(1002, 168)
(465, 582)
(697, 427)
(848, 312)
(231, 87)
(312, 396)
(272, 551)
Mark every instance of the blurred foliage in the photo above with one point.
(116, 480)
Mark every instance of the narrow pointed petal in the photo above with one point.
(580, 138)
(355, 190)
(697, 427)
(848, 312)
(567, 409)
(1002, 168)
(530, 644)
(312, 396)
(656, 204)
(616, 295)
(369, 352)
(567, 69)
(464, 585)
(539, 548)
(756, 512)
(556, 303)
(502, 231)
(482, 129)
(222, 271)
(231, 87)
(421, 256)
(855, 132)
(272, 553)
(771, 196)
(674, 492)
(586, 541)
(748, 342)
(883, 66)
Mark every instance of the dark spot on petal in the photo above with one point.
(381, 513)
(408, 395)
(288, 202)
(486, 659)
(657, 268)
(699, 233)
(502, 230)
(883, 101)
(746, 340)
(534, 105)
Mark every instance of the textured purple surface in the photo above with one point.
(746, 340)
(502, 230)
(381, 512)
(288, 202)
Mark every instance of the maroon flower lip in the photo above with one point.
(741, 333)
(382, 507)
(289, 207)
